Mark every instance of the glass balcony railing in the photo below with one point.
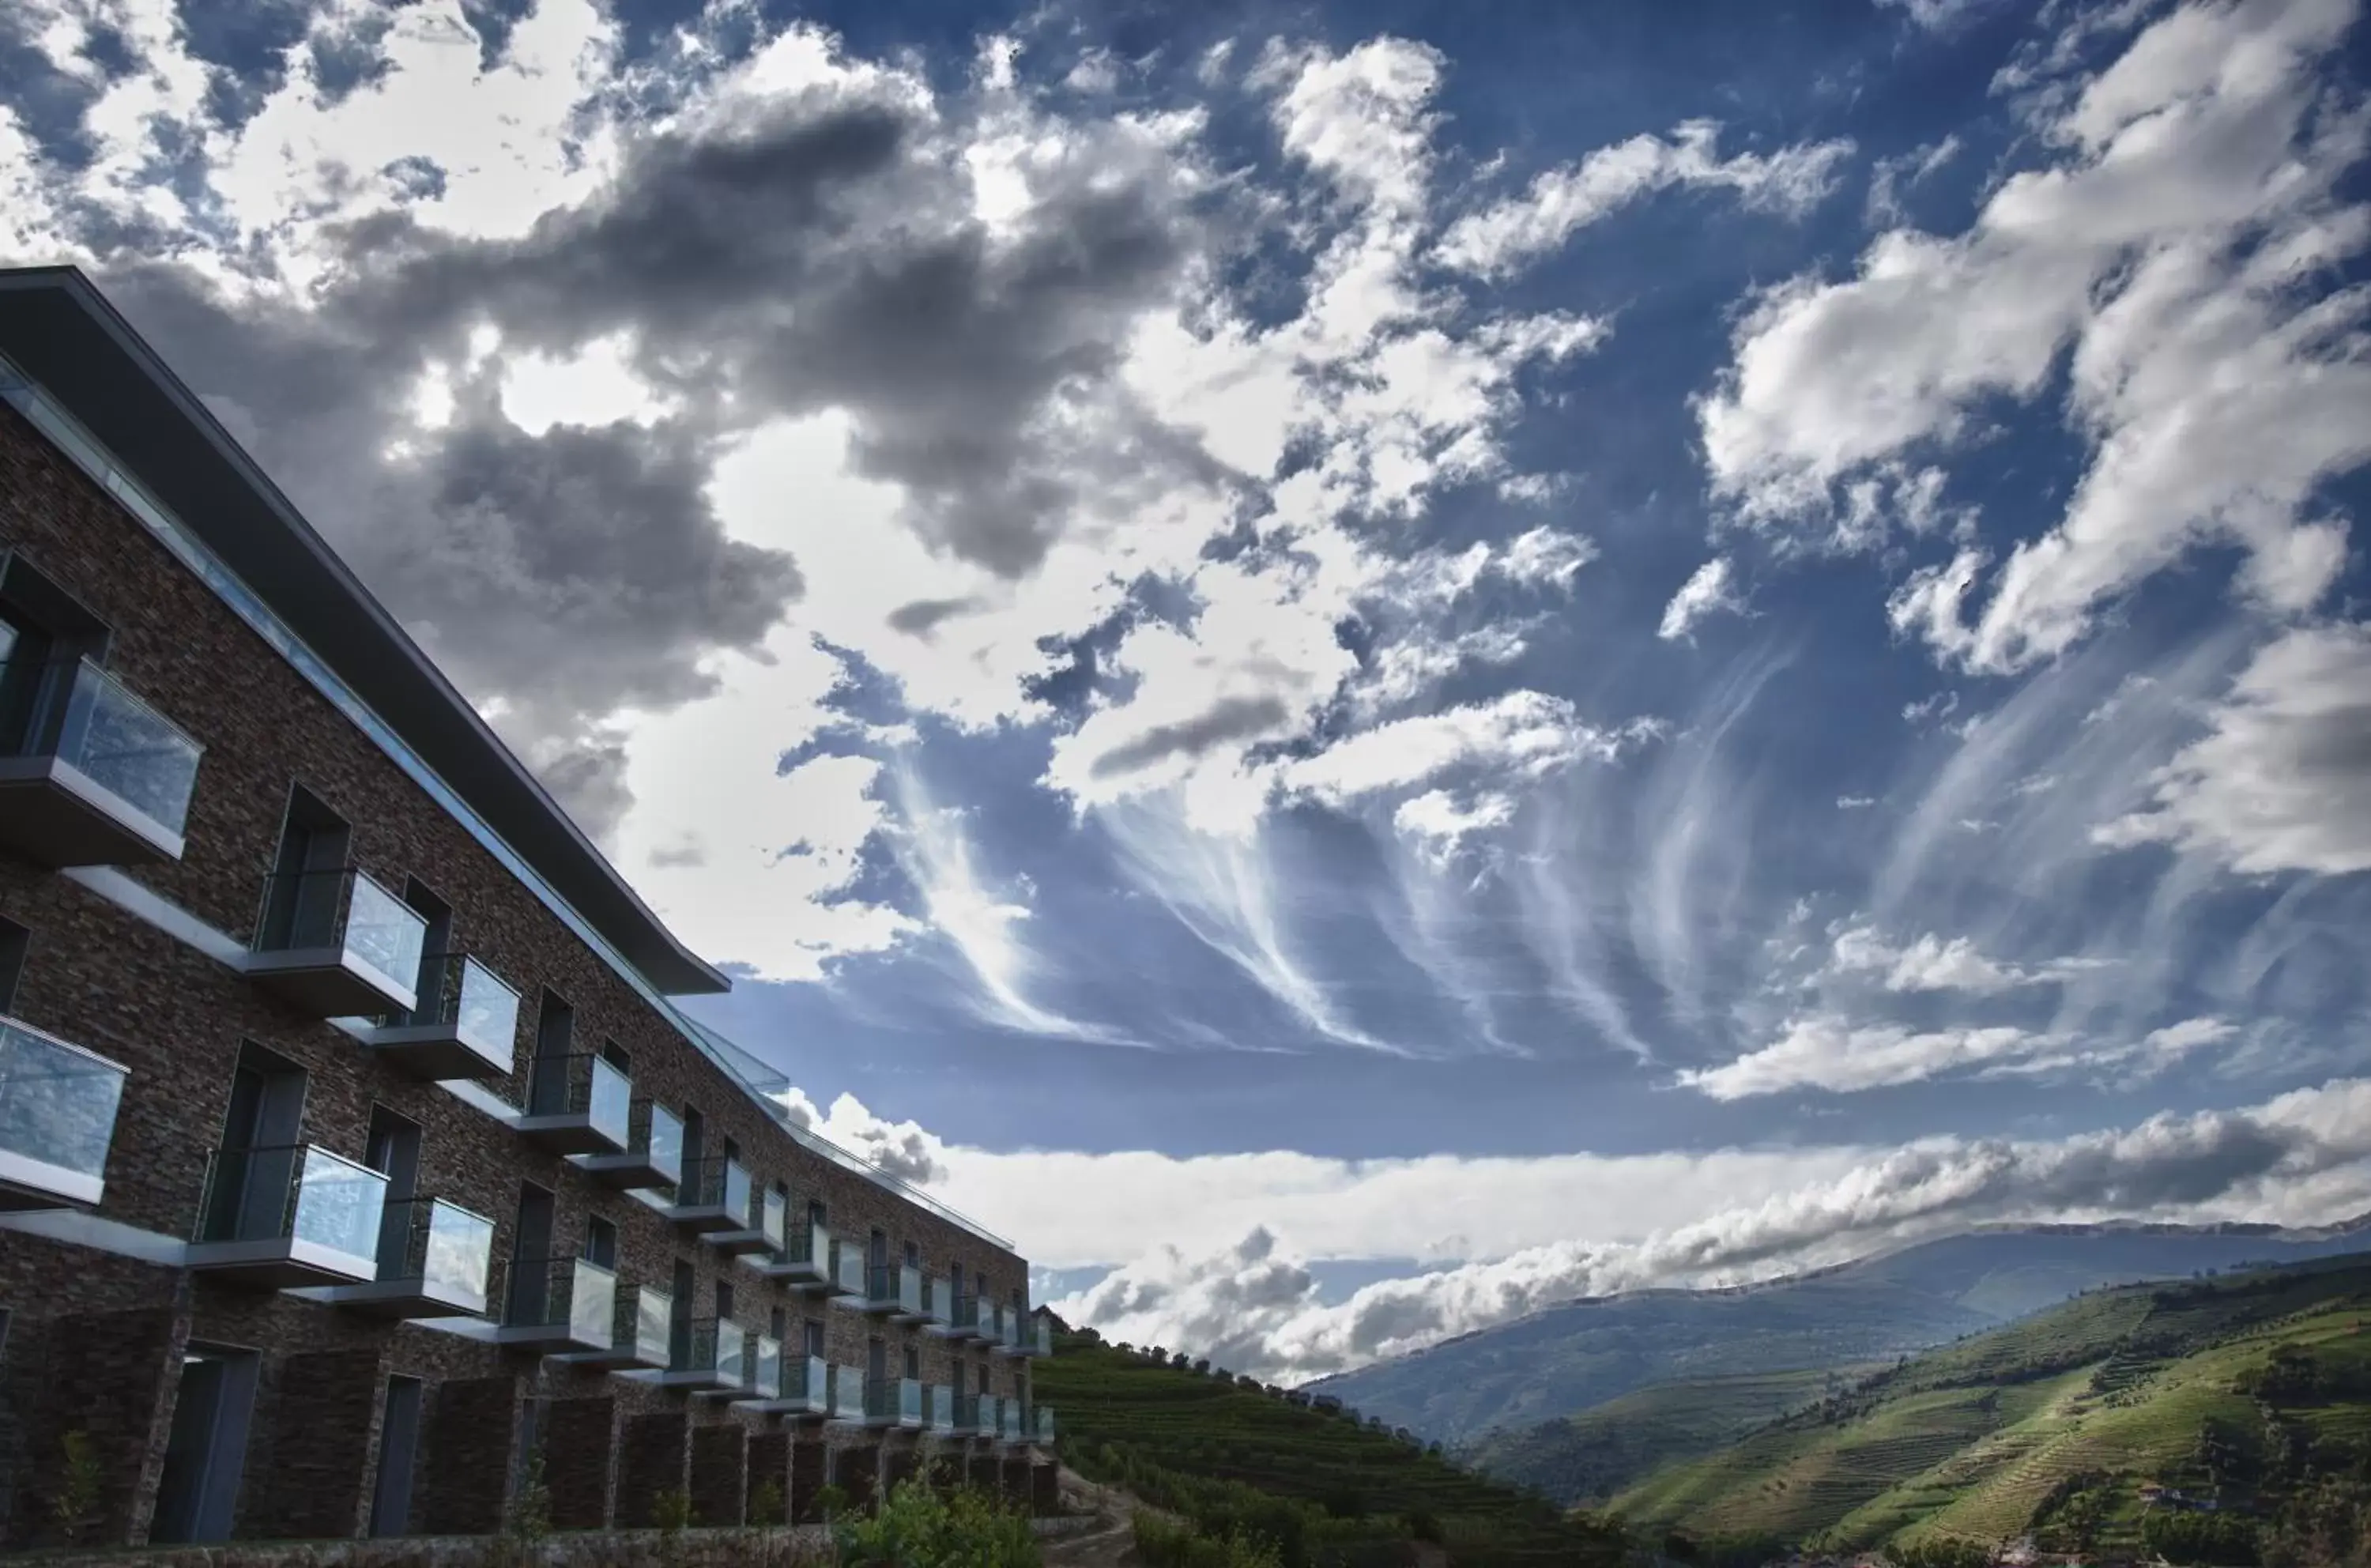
(87, 719)
(963, 1314)
(296, 1193)
(775, 1218)
(806, 1380)
(574, 1297)
(765, 1376)
(342, 910)
(1037, 1336)
(849, 1400)
(848, 1268)
(967, 1412)
(1045, 1432)
(586, 1087)
(458, 992)
(939, 1408)
(57, 1116)
(1009, 1419)
(448, 1251)
(910, 1401)
(645, 1320)
(718, 1347)
(896, 1286)
(657, 1134)
(719, 1181)
(884, 1399)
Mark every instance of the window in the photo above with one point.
(601, 1242)
(436, 942)
(813, 1332)
(816, 1216)
(723, 1300)
(300, 906)
(555, 1027)
(14, 940)
(913, 1256)
(44, 632)
(913, 1362)
(779, 1328)
(616, 1057)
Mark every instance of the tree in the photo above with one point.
(78, 1485)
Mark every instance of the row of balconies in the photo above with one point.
(109, 782)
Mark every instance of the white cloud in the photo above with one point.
(1706, 593)
(1441, 823)
(2197, 185)
(1931, 964)
(1825, 1052)
(1519, 735)
(2299, 1158)
(2281, 779)
(1501, 238)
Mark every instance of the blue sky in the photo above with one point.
(1355, 667)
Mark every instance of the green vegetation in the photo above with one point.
(1235, 1465)
(2171, 1418)
(917, 1527)
(1590, 1456)
(1163, 1543)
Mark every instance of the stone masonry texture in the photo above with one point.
(97, 1331)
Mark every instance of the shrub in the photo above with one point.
(766, 1504)
(917, 1528)
(78, 1486)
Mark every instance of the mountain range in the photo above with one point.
(1565, 1360)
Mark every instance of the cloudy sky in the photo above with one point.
(1355, 666)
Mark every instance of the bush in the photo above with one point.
(2215, 1540)
(1162, 1543)
(917, 1528)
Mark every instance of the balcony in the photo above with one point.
(803, 1262)
(951, 1314)
(893, 1291)
(293, 1215)
(559, 1304)
(1011, 1428)
(713, 1196)
(713, 1359)
(434, 1259)
(760, 1230)
(99, 778)
(800, 1392)
(966, 1414)
(938, 1409)
(1044, 1433)
(333, 944)
(893, 1402)
(762, 1377)
(57, 1119)
(847, 1273)
(1020, 1333)
(641, 1329)
(464, 1026)
(578, 1104)
(653, 1154)
(848, 1401)
(989, 1328)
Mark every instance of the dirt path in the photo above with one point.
(1110, 1542)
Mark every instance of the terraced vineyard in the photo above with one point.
(1607, 1448)
(1212, 1450)
(2111, 1392)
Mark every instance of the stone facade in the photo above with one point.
(101, 1308)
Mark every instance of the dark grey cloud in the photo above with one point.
(764, 262)
(1228, 719)
(923, 617)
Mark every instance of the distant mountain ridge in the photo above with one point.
(1566, 1358)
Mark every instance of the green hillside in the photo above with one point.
(1328, 1488)
(1590, 1456)
(2240, 1389)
